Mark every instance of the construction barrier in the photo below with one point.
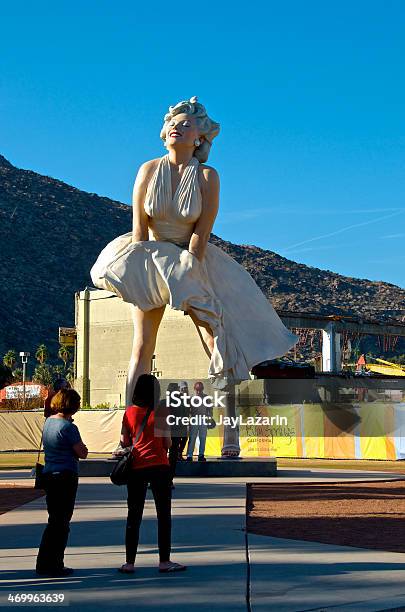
(100, 429)
(360, 431)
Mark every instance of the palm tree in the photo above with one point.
(64, 354)
(6, 376)
(41, 354)
(70, 375)
(18, 374)
(10, 359)
(59, 371)
(43, 374)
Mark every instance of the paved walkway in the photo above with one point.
(208, 536)
(292, 575)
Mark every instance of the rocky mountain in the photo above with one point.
(51, 234)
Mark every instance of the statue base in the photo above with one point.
(212, 468)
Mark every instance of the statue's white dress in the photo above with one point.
(158, 271)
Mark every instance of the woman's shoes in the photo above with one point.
(127, 568)
(170, 567)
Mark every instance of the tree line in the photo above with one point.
(45, 373)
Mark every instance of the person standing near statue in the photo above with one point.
(198, 430)
(63, 448)
(185, 412)
(150, 465)
(60, 383)
(179, 430)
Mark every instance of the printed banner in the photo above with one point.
(357, 431)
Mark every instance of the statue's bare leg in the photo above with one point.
(205, 333)
(146, 326)
(231, 446)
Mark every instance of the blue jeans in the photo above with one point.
(201, 432)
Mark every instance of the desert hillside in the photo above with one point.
(51, 234)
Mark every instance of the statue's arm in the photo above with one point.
(139, 216)
(210, 202)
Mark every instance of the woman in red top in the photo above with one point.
(150, 466)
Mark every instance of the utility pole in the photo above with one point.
(24, 359)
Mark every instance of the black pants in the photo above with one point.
(176, 449)
(160, 482)
(61, 491)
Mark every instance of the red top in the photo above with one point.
(149, 449)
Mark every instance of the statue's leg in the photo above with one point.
(146, 326)
(231, 446)
(204, 331)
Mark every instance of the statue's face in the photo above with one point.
(182, 130)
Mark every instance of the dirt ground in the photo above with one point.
(372, 465)
(362, 514)
(12, 496)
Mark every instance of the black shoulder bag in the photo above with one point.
(122, 469)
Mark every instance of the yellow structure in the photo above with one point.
(386, 367)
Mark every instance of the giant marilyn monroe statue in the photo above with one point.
(167, 260)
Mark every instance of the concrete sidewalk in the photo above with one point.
(295, 576)
(208, 536)
(208, 521)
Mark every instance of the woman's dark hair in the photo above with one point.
(172, 387)
(66, 401)
(147, 391)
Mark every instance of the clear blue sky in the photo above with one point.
(310, 97)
